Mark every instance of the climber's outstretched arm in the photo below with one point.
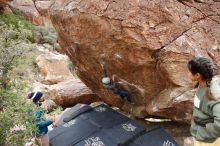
(124, 84)
(129, 86)
(104, 72)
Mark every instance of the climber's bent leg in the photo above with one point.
(123, 93)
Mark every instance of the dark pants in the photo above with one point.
(123, 94)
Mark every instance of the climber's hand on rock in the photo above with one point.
(114, 76)
(102, 65)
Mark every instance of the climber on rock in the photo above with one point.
(115, 85)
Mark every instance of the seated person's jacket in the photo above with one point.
(42, 124)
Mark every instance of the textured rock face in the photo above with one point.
(43, 7)
(146, 43)
(71, 92)
(54, 68)
(3, 6)
(28, 9)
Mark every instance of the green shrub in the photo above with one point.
(15, 36)
(15, 43)
(17, 61)
(46, 34)
(17, 23)
(14, 111)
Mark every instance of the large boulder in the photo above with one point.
(54, 68)
(43, 6)
(71, 92)
(28, 9)
(146, 43)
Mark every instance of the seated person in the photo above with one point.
(41, 135)
(38, 99)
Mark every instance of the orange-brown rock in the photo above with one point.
(71, 92)
(28, 9)
(4, 6)
(146, 43)
(54, 68)
(43, 6)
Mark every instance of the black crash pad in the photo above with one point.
(126, 131)
(72, 113)
(102, 126)
(104, 116)
(71, 132)
(154, 137)
(119, 135)
(98, 139)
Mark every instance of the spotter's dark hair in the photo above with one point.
(202, 66)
